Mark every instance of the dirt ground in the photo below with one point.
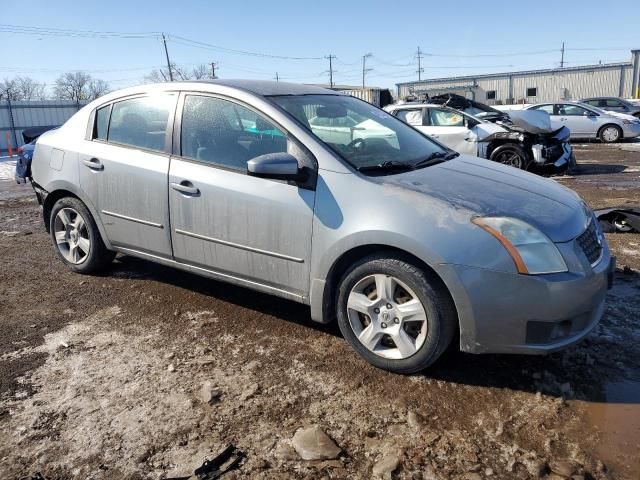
(102, 376)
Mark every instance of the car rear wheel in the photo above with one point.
(76, 238)
(511, 155)
(395, 315)
(610, 134)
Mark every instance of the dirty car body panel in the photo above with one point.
(174, 204)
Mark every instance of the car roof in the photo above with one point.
(408, 105)
(268, 88)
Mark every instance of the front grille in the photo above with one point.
(589, 243)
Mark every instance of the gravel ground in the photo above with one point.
(144, 371)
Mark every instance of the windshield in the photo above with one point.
(360, 133)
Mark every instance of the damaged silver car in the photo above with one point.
(407, 244)
(525, 140)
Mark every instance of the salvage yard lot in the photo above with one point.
(103, 376)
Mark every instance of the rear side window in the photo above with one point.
(545, 108)
(412, 117)
(141, 122)
(102, 123)
(225, 133)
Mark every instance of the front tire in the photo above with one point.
(76, 238)
(610, 134)
(512, 155)
(395, 315)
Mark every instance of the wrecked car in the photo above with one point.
(619, 219)
(524, 140)
(407, 244)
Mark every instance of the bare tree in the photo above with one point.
(96, 88)
(9, 89)
(29, 89)
(199, 72)
(72, 86)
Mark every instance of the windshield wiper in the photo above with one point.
(388, 165)
(435, 158)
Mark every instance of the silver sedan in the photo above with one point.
(404, 242)
(586, 121)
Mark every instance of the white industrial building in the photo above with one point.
(620, 79)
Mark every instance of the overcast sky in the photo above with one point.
(457, 37)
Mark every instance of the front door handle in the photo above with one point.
(93, 163)
(185, 186)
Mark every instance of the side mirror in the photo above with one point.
(281, 165)
(591, 114)
(471, 122)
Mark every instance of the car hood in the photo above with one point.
(485, 188)
(623, 116)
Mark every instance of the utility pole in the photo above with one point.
(562, 56)
(420, 69)
(364, 69)
(277, 78)
(330, 57)
(166, 52)
(213, 70)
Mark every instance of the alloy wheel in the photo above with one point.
(72, 236)
(387, 317)
(510, 158)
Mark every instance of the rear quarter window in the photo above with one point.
(102, 123)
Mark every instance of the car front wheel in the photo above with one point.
(610, 134)
(76, 238)
(395, 315)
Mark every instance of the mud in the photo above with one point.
(102, 376)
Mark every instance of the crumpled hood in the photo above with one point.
(487, 188)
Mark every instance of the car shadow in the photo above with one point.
(548, 375)
(597, 169)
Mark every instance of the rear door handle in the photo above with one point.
(93, 163)
(185, 186)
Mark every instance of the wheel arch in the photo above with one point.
(620, 129)
(59, 190)
(351, 256)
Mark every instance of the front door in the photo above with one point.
(582, 122)
(222, 219)
(450, 128)
(124, 168)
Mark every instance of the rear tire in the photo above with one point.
(412, 334)
(76, 238)
(512, 155)
(610, 134)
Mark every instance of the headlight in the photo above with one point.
(531, 250)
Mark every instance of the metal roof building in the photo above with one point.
(570, 83)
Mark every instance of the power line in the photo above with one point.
(61, 32)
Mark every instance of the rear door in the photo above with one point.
(254, 229)
(123, 171)
(450, 128)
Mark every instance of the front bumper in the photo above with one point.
(533, 314)
(631, 131)
(559, 162)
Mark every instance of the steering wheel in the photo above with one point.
(357, 144)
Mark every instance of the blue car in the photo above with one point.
(23, 165)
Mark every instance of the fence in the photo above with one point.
(15, 116)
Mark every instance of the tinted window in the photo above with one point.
(532, 92)
(412, 117)
(613, 103)
(571, 110)
(141, 122)
(102, 123)
(445, 118)
(545, 108)
(226, 134)
(491, 95)
(593, 103)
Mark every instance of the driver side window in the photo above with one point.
(225, 133)
(411, 116)
(571, 110)
(445, 118)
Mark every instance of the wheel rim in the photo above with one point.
(72, 236)
(387, 317)
(510, 158)
(610, 134)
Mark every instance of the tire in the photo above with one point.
(422, 342)
(610, 134)
(512, 155)
(76, 238)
